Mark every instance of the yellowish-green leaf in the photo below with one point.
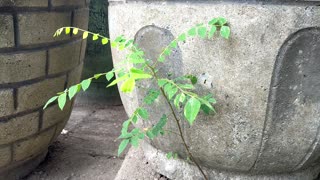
(128, 85)
(104, 41)
(67, 30)
(95, 37)
(139, 74)
(75, 31)
(85, 35)
(119, 79)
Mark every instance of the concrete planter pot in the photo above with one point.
(265, 78)
(33, 67)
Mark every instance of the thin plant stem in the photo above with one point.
(178, 124)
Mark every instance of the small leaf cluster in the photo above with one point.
(203, 31)
(179, 92)
(182, 96)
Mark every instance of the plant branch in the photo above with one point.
(178, 124)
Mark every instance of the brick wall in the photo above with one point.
(33, 67)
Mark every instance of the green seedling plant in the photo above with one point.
(178, 92)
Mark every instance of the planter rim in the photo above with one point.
(233, 1)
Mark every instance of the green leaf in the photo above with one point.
(150, 134)
(139, 74)
(175, 156)
(182, 97)
(167, 52)
(119, 79)
(137, 61)
(75, 31)
(151, 96)
(62, 100)
(125, 126)
(109, 75)
(123, 146)
(205, 109)
(191, 109)
(85, 35)
(158, 127)
(125, 136)
(167, 88)
(169, 155)
(172, 92)
(192, 78)
(143, 113)
(207, 103)
(85, 84)
(104, 41)
(202, 32)
(134, 141)
(67, 30)
(140, 135)
(213, 21)
(192, 32)
(114, 44)
(128, 85)
(73, 91)
(161, 59)
(212, 31)
(128, 43)
(222, 21)
(134, 119)
(182, 37)
(51, 100)
(162, 82)
(225, 32)
(173, 44)
(96, 76)
(186, 86)
(176, 101)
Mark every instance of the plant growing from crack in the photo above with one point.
(178, 92)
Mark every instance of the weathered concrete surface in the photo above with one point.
(243, 136)
(136, 166)
(89, 148)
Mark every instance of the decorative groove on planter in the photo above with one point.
(52, 64)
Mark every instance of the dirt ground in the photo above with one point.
(87, 149)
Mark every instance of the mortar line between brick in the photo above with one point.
(15, 98)
(33, 81)
(35, 135)
(24, 10)
(16, 29)
(66, 81)
(39, 47)
(72, 22)
(50, 5)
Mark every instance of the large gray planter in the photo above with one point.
(34, 66)
(266, 79)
